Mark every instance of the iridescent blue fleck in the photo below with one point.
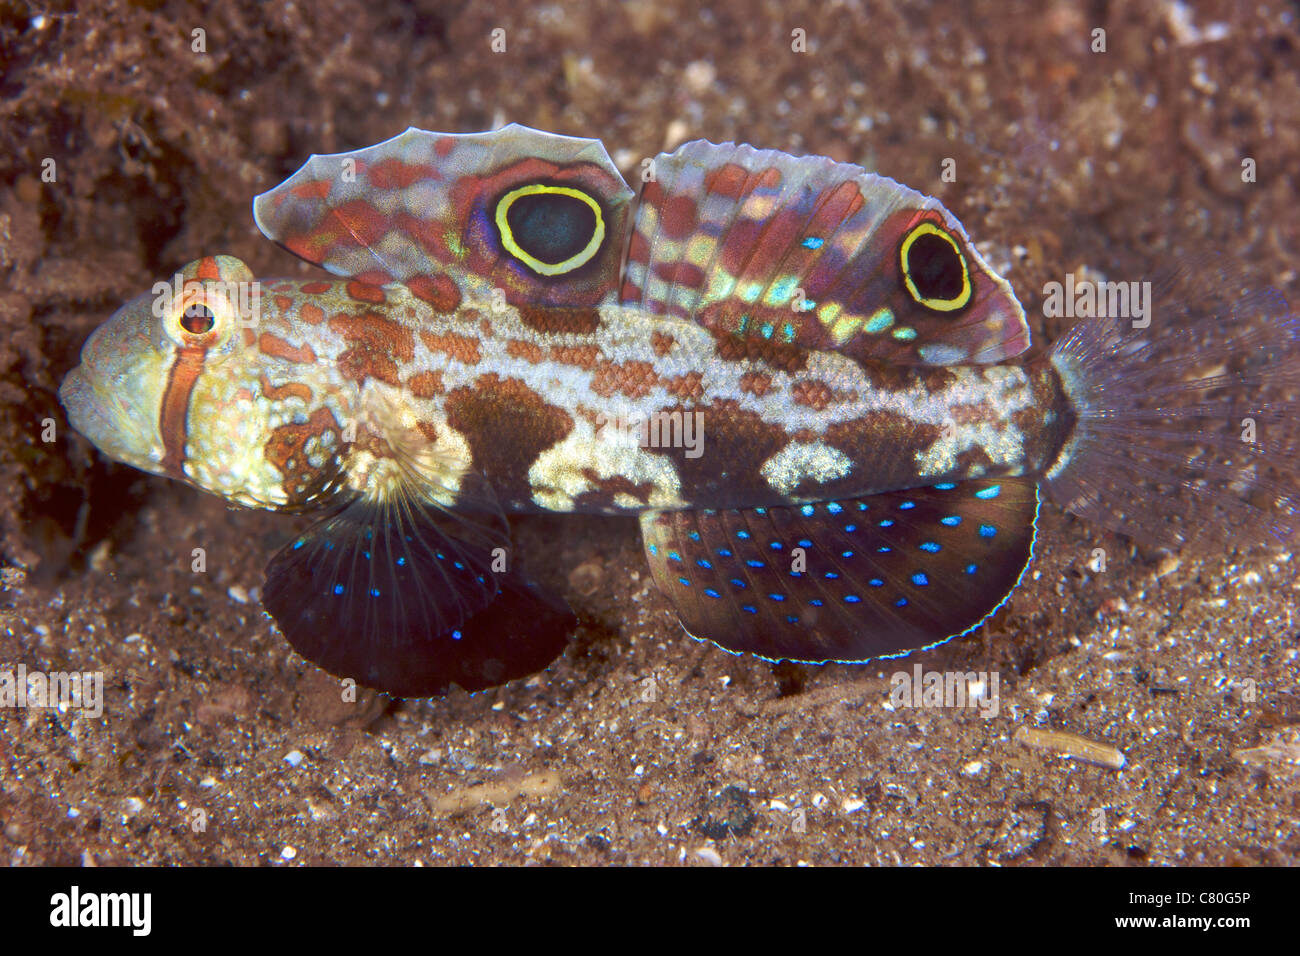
(951, 520)
(932, 546)
(987, 531)
(920, 580)
(992, 491)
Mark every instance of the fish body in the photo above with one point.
(802, 378)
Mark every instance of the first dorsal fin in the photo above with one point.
(818, 254)
(538, 215)
(846, 580)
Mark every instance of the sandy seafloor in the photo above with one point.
(1185, 664)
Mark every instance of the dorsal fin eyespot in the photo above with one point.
(551, 229)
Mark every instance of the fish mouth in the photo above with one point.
(115, 416)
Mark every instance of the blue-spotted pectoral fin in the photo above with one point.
(410, 600)
(807, 252)
(847, 580)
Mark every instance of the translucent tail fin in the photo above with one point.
(1189, 428)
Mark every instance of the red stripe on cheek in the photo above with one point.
(173, 416)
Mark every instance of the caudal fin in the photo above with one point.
(1189, 428)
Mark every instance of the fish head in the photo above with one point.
(174, 383)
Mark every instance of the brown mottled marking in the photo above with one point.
(462, 348)
(377, 347)
(777, 355)
(805, 435)
(311, 314)
(604, 489)
(528, 351)
(633, 379)
(365, 292)
(662, 343)
(426, 384)
(428, 430)
(884, 441)
(756, 383)
(812, 394)
(440, 291)
(277, 347)
(687, 386)
(376, 333)
(358, 365)
(560, 319)
(507, 425)
(315, 288)
(732, 435)
(286, 449)
(583, 356)
(973, 414)
(283, 303)
(289, 390)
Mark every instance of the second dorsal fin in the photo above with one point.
(816, 254)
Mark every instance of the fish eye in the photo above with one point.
(204, 317)
(551, 229)
(197, 319)
(934, 268)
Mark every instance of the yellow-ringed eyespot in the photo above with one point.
(934, 268)
(203, 317)
(551, 229)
